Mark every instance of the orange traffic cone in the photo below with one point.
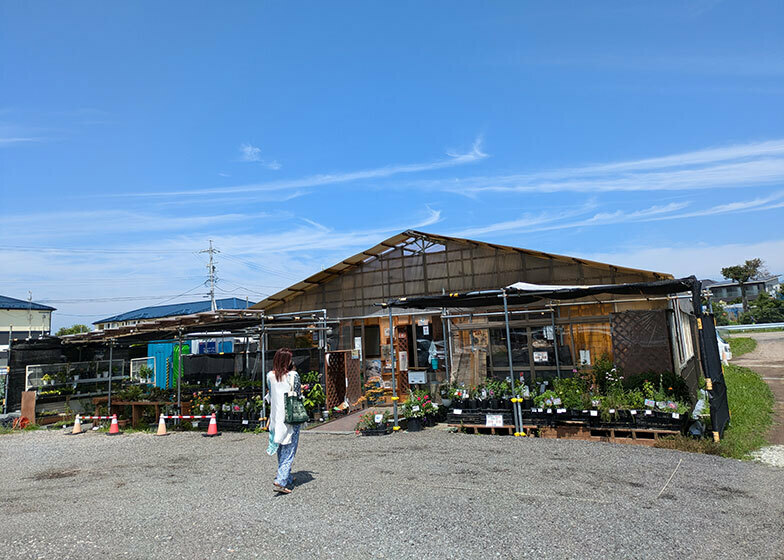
(114, 429)
(212, 431)
(162, 427)
(77, 429)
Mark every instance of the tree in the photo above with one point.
(73, 329)
(767, 309)
(742, 273)
(720, 314)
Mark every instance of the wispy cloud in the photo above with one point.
(18, 140)
(252, 154)
(745, 165)
(454, 159)
(672, 211)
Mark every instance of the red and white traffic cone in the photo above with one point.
(114, 429)
(162, 427)
(212, 431)
(77, 428)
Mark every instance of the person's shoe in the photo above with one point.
(282, 489)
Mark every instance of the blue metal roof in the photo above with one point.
(13, 303)
(174, 309)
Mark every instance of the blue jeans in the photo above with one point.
(286, 458)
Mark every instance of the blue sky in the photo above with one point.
(647, 134)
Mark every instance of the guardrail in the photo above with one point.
(756, 327)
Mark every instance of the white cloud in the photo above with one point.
(739, 166)
(454, 159)
(18, 140)
(250, 153)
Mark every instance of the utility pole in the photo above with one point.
(211, 272)
(29, 314)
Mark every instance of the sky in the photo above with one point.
(295, 134)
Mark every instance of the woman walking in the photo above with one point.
(282, 379)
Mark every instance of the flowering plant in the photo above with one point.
(368, 421)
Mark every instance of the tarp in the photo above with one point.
(523, 293)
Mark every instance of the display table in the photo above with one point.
(138, 406)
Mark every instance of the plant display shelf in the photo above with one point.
(80, 380)
(630, 435)
(491, 430)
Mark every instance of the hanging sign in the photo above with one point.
(540, 356)
(402, 357)
(417, 377)
(425, 330)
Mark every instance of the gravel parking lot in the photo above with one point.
(422, 495)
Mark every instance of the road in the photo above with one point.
(767, 359)
(410, 495)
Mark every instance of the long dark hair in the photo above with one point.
(281, 363)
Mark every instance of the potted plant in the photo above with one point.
(413, 412)
(46, 379)
(374, 424)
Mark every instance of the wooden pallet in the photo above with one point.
(492, 430)
(637, 436)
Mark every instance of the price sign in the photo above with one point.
(561, 411)
(494, 420)
(244, 422)
(457, 411)
(594, 413)
(540, 357)
(676, 415)
(415, 408)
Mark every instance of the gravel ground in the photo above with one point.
(411, 495)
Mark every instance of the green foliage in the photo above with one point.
(742, 273)
(314, 398)
(541, 400)
(742, 345)
(751, 409)
(765, 309)
(571, 391)
(720, 314)
(73, 329)
(368, 421)
(310, 378)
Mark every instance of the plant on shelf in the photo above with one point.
(571, 391)
(145, 374)
(47, 379)
(200, 403)
(547, 399)
(315, 398)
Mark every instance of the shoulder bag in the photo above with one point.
(295, 410)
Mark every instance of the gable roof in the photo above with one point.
(174, 309)
(409, 237)
(13, 303)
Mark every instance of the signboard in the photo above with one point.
(494, 420)
(540, 357)
(426, 330)
(417, 377)
(402, 358)
(357, 343)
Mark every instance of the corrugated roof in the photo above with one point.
(175, 309)
(13, 303)
(406, 238)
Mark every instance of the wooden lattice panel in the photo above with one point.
(335, 379)
(401, 345)
(641, 341)
(353, 379)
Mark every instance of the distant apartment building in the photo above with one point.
(728, 291)
(22, 319)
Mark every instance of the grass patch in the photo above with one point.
(770, 329)
(742, 345)
(751, 413)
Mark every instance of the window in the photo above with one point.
(372, 341)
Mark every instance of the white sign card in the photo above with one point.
(585, 357)
(540, 356)
(379, 418)
(426, 330)
(244, 422)
(494, 420)
(457, 411)
(415, 408)
(357, 343)
(417, 377)
(594, 413)
(402, 357)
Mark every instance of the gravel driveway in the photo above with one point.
(423, 495)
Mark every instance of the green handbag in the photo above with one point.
(295, 410)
